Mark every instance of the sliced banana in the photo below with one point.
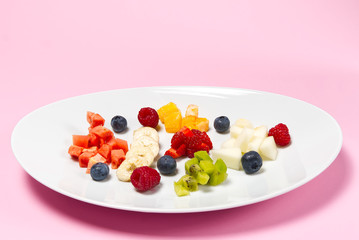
(147, 141)
(141, 155)
(125, 170)
(145, 131)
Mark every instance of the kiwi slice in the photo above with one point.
(219, 174)
(189, 183)
(220, 166)
(197, 172)
(202, 155)
(207, 166)
(189, 163)
(180, 189)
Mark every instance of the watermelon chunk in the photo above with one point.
(75, 151)
(81, 140)
(117, 157)
(95, 159)
(102, 132)
(84, 158)
(105, 151)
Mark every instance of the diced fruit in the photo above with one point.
(196, 171)
(102, 132)
(261, 131)
(173, 122)
(118, 124)
(235, 131)
(117, 143)
(268, 149)
(91, 149)
(255, 143)
(93, 160)
(207, 166)
(251, 162)
(75, 151)
(84, 158)
(243, 139)
(166, 110)
(189, 121)
(95, 140)
(97, 120)
(202, 155)
(219, 174)
(221, 124)
(192, 110)
(202, 124)
(173, 153)
(81, 140)
(148, 117)
(167, 165)
(89, 116)
(145, 178)
(99, 171)
(105, 151)
(117, 157)
(243, 123)
(231, 157)
(180, 189)
(189, 163)
(189, 183)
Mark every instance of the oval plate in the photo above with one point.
(41, 139)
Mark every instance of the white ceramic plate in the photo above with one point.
(41, 139)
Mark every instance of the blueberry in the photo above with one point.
(251, 162)
(99, 171)
(166, 165)
(221, 124)
(118, 124)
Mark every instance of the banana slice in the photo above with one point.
(141, 155)
(125, 170)
(146, 131)
(147, 141)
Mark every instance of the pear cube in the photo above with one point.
(230, 156)
(243, 123)
(254, 144)
(261, 131)
(243, 139)
(235, 131)
(229, 143)
(268, 149)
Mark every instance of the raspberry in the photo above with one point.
(204, 137)
(145, 178)
(178, 139)
(280, 134)
(148, 117)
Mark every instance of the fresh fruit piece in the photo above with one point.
(166, 110)
(192, 110)
(203, 137)
(219, 174)
(189, 183)
(231, 157)
(117, 143)
(268, 149)
(235, 131)
(99, 171)
(89, 116)
(95, 141)
(189, 121)
(145, 131)
(221, 124)
(145, 178)
(148, 117)
(167, 165)
(178, 139)
(84, 158)
(75, 151)
(202, 155)
(141, 154)
(255, 143)
(95, 119)
(173, 122)
(281, 134)
(251, 162)
(117, 157)
(147, 141)
(243, 139)
(261, 131)
(190, 162)
(229, 143)
(118, 124)
(202, 124)
(173, 153)
(207, 166)
(244, 123)
(180, 189)
(102, 132)
(81, 140)
(91, 149)
(105, 151)
(93, 160)
(196, 171)
(187, 132)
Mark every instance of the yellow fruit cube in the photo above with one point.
(189, 121)
(192, 110)
(202, 124)
(167, 110)
(173, 122)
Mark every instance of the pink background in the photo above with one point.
(52, 50)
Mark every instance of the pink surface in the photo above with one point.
(51, 50)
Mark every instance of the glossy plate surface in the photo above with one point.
(41, 139)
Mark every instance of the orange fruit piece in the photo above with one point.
(202, 124)
(166, 110)
(173, 122)
(189, 121)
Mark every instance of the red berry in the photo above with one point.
(178, 139)
(280, 134)
(148, 117)
(145, 178)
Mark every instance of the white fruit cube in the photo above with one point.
(244, 123)
(229, 143)
(230, 156)
(268, 149)
(235, 131)
(243, 139)
(261, 131)
(254, 144)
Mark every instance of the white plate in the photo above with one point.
(41, 139)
